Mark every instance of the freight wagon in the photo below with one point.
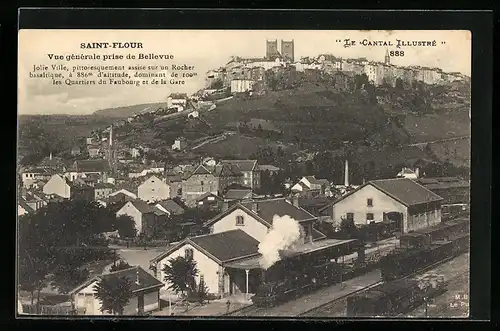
(393, 298)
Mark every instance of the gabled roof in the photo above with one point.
(238, 194)
(171, 206)
(314, 181)
(178, 95)
(208, 194)
(221, 247)
(201, 170)
(243, 165)
(142, 206)
(146, 280)
(268, 167)
(90, 166)
(406, 191)
(266, 210)
(21, 202)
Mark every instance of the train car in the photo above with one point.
(393, 298)
(281, 287)
(460, 243)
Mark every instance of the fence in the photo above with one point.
(48, 310)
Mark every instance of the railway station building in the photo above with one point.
(402, 201)
(228, 259)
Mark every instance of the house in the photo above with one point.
(408, 173)
(75, 151)
(241, 85)
(23, 208)
(403, 201)
(90, 140)
(153, 189)
(83, 168)
(256, 218)
(170, 207)
(212, 253)
(210, 201)
(249, 169)
(179, 144)
(453, 190)
(124, 192)
(34, 200)
(202, 180)
(175, 183)
(143, 215)
(177, 100)
(93, 151)
(59, 186)
(31, 176)
(145, 293)
(102, 190)
(135, 152)
(238, 195)
(310, 186)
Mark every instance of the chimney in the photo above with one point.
(137, 280)
(346, 174)
(295, 200)
(225, 206)
(50, 156)
(111, 136)
(417, 172)
(255, 206)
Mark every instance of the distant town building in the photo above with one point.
(179, 144)
(409, 173)
(177, 100)
(241, 85)
(153, 189)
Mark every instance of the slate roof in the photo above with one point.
(405, 190)
(228, 245)
(443, 183)
(25, 206)
(90, 166)
(208, 194)
(266, 209)
(238, 194)
(243, 165)
(171, 206)
(268, 167)
(146, 280)
(201, 170)
(315, 181)
(142, 206)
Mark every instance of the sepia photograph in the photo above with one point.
(243, 173)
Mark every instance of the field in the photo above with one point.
(457, 151)
(243, 146)
(437, 126)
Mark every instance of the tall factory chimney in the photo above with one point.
(111, 151)
(346, 174)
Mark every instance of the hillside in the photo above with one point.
(127, 111)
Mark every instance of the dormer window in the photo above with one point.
(188, 254)
(240, 220)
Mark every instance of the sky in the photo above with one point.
(204, 49)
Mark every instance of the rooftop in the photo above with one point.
(146, 280)
(406, 191)
(243, 165)
(100, 165)
(267, 209)
(172, 206)
(443, 183)
(238, 194)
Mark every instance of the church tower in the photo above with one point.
(387, 57)
(287, 50)
(272, 49)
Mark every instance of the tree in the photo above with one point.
(126, 226)
(348, 227)
(180, 273)
(120, 266)
(67, 276)
(202, 291)
(114, 293)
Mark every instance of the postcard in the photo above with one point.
(244, 173)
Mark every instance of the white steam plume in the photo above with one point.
(285, 234)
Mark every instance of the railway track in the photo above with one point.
(340, 302)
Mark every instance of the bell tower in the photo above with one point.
(387, 57)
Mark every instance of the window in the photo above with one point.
(369, 216)
(201, 183)
(369, 202)
(240, 220)
(188, 253)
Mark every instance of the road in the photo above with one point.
(440, 140)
